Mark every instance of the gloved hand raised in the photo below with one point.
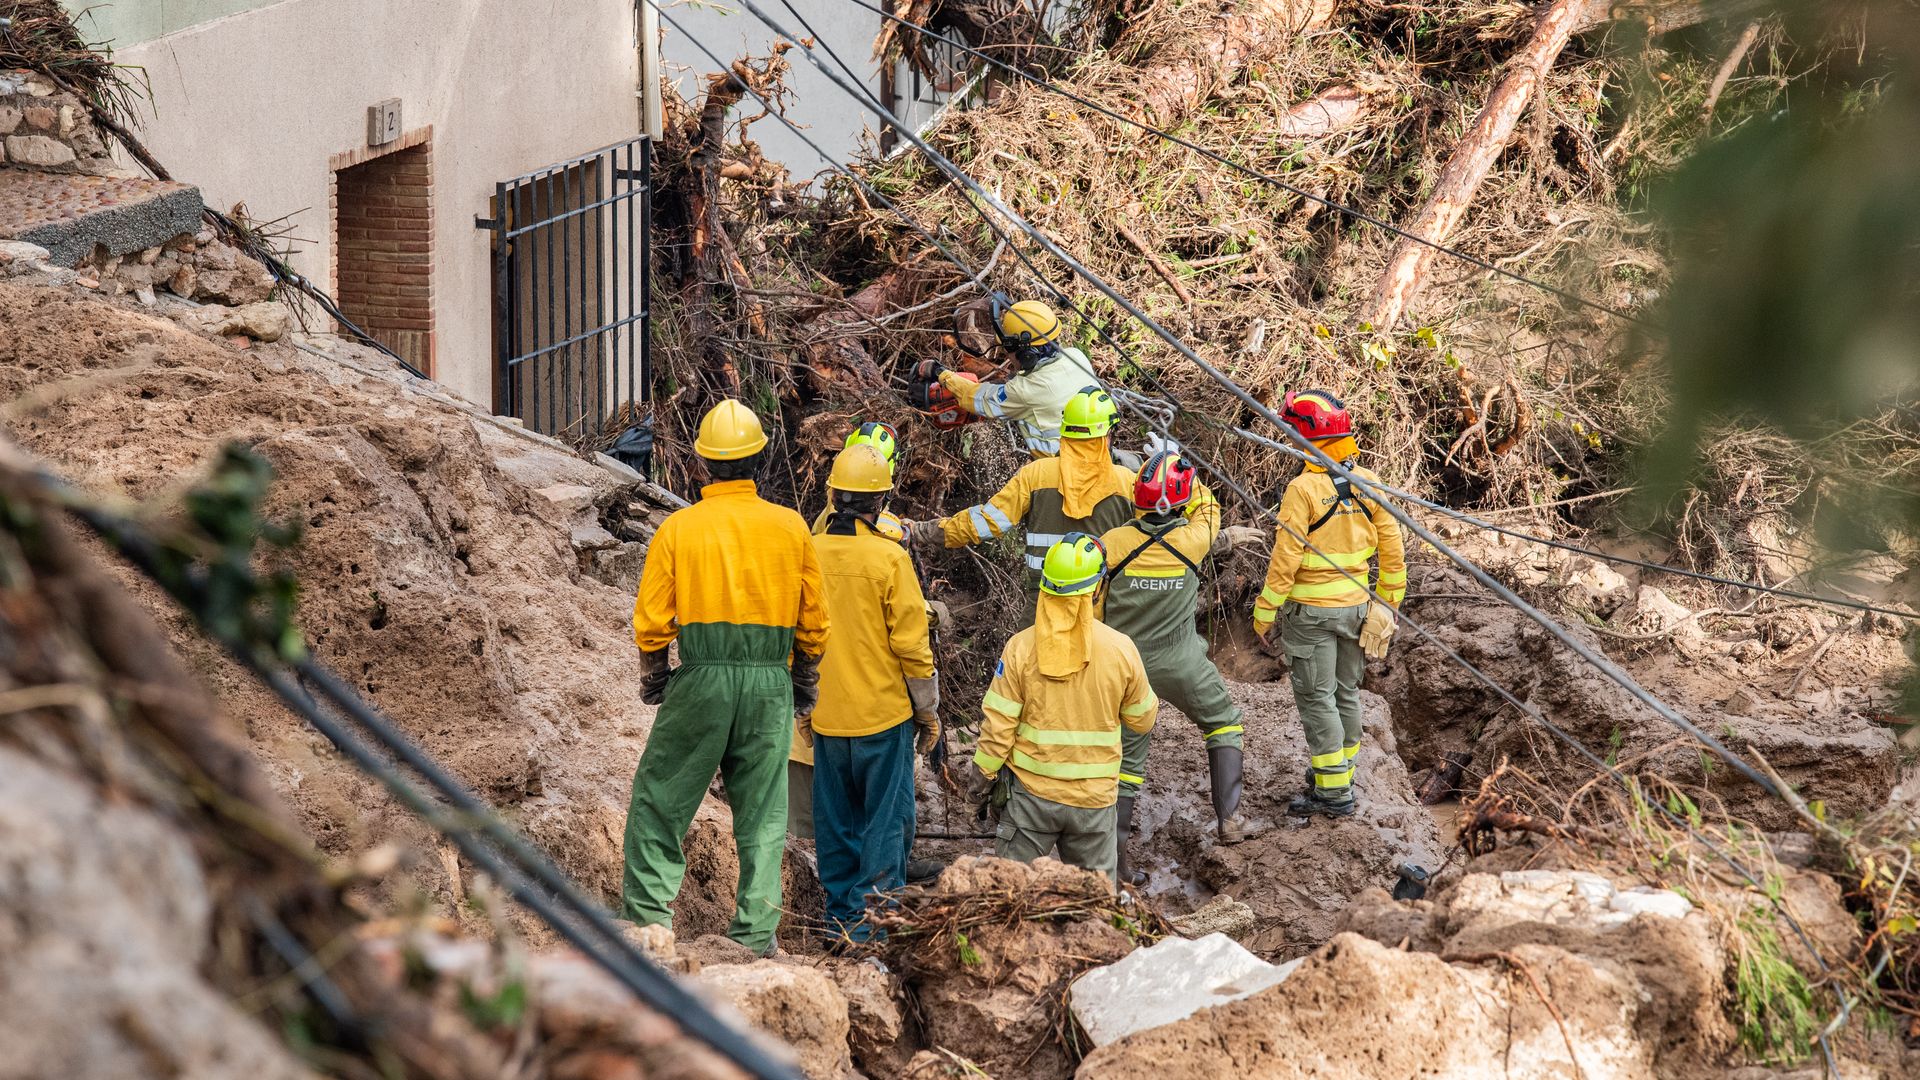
(1377, 634)
(806, 684)
(929, 533)
(655, 673)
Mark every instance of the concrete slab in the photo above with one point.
(71, 215)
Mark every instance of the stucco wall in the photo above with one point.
(251, 106)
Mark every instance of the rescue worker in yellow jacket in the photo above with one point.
(1064, 689)
(878, 677)
(883, 438)
(736, 581)
(1051, 372)
(1081, 490)
(1328, 624)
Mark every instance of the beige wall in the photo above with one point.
(251, 107)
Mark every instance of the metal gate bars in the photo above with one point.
(571, 249)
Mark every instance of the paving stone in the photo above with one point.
(41, 150)
(71, 215)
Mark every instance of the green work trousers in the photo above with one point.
(728, 708)
(1323, 654)
(1184, 677)
(1031, 827)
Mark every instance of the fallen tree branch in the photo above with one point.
(1727, 67)
(1153, 260)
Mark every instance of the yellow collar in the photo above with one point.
(729, 487)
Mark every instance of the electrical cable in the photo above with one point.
(1263, 513)
(1267, 178)
(1046, 243)
(474, 827)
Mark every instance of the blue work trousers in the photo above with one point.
(863, 819)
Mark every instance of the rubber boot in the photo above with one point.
(1225, 766)
(919, 870)
(1310, 804)
(1123, 871)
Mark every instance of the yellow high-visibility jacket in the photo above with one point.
(1032, 400)
(880, 636)
(1061, 737)
(1359, 531)
(1033, 496)
(740, 569)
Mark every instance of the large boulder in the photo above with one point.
(797, 1005)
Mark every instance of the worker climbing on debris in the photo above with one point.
(736, 581)
(1049, 746)
(879, 676)
(1051, 372)
(1153, 591)
(1081, 490)
(1328, 625)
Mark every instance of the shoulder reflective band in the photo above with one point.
(1003, 705)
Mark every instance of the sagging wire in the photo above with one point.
(1263, 513)
(368, 739)
(1351, 212)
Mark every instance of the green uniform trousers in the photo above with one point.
(728, 708)
(1323, 654)
(1031, 827)
(1184, 677)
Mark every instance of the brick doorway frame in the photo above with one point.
(381, 271)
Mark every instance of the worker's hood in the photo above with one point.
(1063, 633)
(1341, 448)
(1085, 468)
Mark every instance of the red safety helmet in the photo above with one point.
(1316, 414)
(1165, 483)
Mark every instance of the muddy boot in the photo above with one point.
(919, 870)
(1311, 804)
(1123, 871)
(1224, 771)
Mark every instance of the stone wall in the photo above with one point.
(48, 129)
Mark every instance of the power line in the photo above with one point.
(1263, 513)
(1256, 174)
(1578, 647)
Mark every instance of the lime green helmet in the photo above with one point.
(1089, 415)
(877, 435)
(1075, 566)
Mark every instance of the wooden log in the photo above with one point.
(1460, 180)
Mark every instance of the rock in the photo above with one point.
(42, 118)
(591, 537)
(799, 1006)
(183, 281)
(620, 470)
(620, 566)
(10, 117)
(709, 950)
(878, 1023)
(1653, 611)
(1221, 915)
(1168, 982)
(570, 500)
(19, 251)
(262, 322)
(1643, 900)
(40, 151)
(1598, 588)
(223, 275)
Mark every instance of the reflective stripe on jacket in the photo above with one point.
(1033, 496)
(1061, 737)
(1359, 531)
(1032, 400)
(731, 558)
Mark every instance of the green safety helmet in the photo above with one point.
(1075, 566)
(877, 435)
(1089, 415)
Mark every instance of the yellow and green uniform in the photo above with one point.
(1325, 610)
(1057, 726)
(863, 743)
(1082, 490)
(1032, 400)
(736, 581)
(1152, 597)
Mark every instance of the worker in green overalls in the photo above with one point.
(1152, 596)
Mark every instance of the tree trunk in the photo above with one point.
(1185, 72)
(834, 349)
(1460, 180)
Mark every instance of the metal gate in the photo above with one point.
(571, 248)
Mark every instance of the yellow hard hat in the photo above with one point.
(1075, 565)
(860, 468)
(1029, 322)
(729, 432)
(877, 435)
(1089, 415)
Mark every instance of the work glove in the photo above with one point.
(980, 788)
(803, 727)
(1156, 443)
(1377, 634)
(928, 370)
(1269, 641)
(929, 533)
(925, 695)
(806, 686)
(655, 673)
(938, 616)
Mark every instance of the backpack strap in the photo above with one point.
(1153, 538)
(1342, 492)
